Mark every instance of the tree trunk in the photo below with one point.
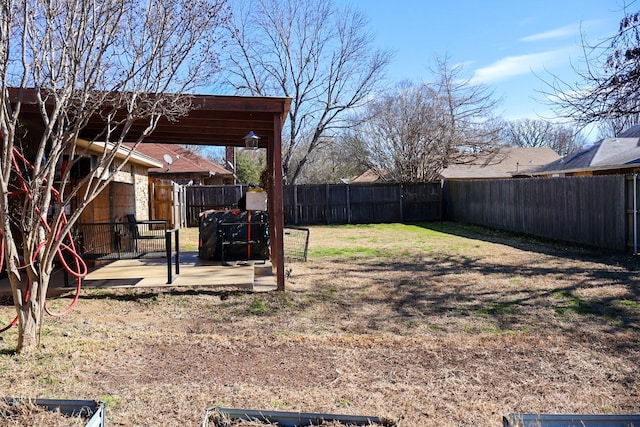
(29, 320)
(29, 301)
(31, 311)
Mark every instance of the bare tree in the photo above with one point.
(609, 89)
(404, 132)
(314, 53)
(76, 60)
(566, 140)
(418, 130)
(339, 161)
(469, 124)
(527, 133)
(542, 133)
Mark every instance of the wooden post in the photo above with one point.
(401, 203)
(275, 202)
(327, 204)
(348, 204)
(296, 220)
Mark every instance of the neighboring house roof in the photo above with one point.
(505, 162)
(372, 175)
(183, 160)
(608, 154)
(632, 132)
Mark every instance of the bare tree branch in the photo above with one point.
(542, 133)
(314, 53)
(608, 92)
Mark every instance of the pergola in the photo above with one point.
(219, 121)
(225, 121)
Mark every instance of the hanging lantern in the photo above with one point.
(251, 141)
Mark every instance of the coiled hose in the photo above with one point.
(78, 268)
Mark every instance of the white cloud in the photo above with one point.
(562, 97)
(512, 66)
(561, 32)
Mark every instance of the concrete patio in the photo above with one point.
(152, 273)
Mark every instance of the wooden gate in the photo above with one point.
(167, 202)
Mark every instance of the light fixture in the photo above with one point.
(251, 141)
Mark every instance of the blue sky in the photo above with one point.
(501, 43)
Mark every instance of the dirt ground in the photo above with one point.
(430, 325)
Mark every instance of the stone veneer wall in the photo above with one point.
(141, 192)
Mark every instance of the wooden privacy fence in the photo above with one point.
(598, 211)
(332, 203)
(362, 204)
(205, 197)
(586, 210)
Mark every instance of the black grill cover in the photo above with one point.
(210, 229)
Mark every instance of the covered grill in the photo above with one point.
(233, 235)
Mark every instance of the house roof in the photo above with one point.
(609, 153)
(505, 162)
(136, 157)
(183, 160)
(371, 175)
(632, 132)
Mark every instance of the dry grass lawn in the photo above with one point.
(430, 325)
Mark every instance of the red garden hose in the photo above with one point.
(78, 269)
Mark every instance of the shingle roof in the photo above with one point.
(183, 160)
(632, 132)
(503, 163)
(608, 153)
(617, 151)
(372, 175)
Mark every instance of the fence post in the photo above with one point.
(348, 203)
(295, 204)
(635, 214)
(327, 205)
(401, 204)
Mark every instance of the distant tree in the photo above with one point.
(565, 140)
(527, 133)
(249, 165)
(470, 126)
(215, 154)
(609, 89)
(195, 148)
(320, 56)
(542, 133)
(416, 131)
(337, 162)
(118, 60)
